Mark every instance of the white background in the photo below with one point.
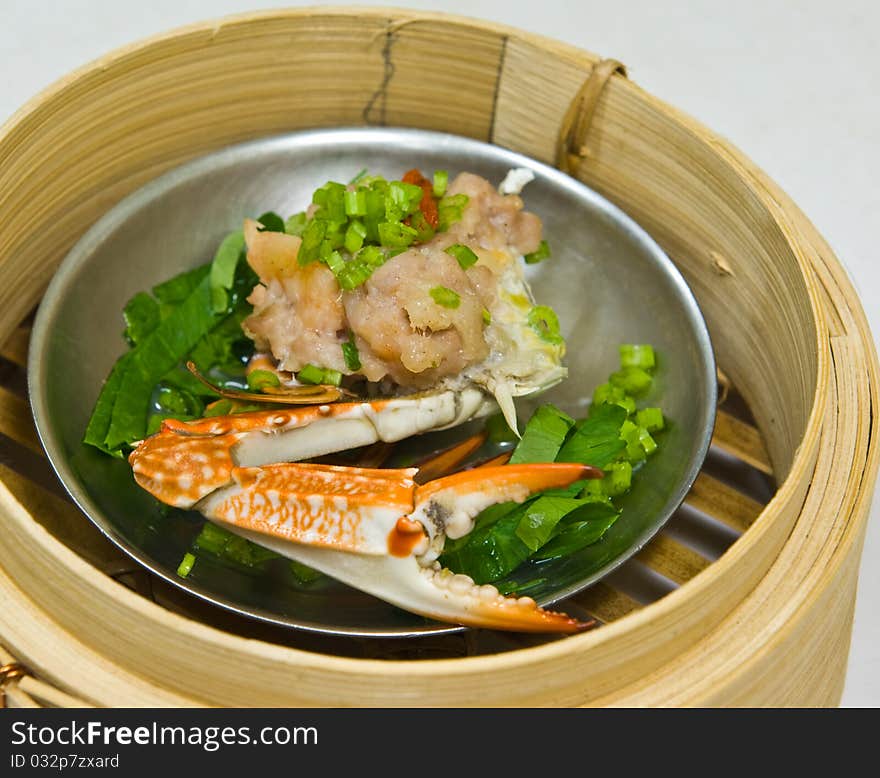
(791, 83)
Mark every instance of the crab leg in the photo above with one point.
(186, 461)
(383, 538)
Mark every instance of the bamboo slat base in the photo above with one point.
(746, 597)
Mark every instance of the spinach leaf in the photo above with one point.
(596, 440)
(490, 551)
(141, 315)
(581, 528)
(99, 423)
(271, 222)
(155, 356)
(541, 517)
(543, 436)
(223, 269)
(175, 290)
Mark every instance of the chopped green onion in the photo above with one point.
(359, 177)
(630, 434)
(361, 267)
(355, 203)
(651, 419)
(296, 223)
(351, 355)
(335, 262)
(441, 179)
(465, 256)
(312, 238)
(647, 442)
(332, 377)
(331, 198)
(396, 234)
(445, 297)
(632, 380)
(614, 395)
(637, 355)
(618, 479)
(186, 564)
(450, 210)
(422, 227)
(543, 320)
(354, 237)
(487, 317)
(310, 374)
(539, 255)
(401, 199)
(257, 380)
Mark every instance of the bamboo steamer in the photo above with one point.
(766, 623)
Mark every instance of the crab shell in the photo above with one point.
(374, 529)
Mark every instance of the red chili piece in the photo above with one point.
(428, 205)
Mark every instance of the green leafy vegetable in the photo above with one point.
(175, 290)
(596, 440)
(271, 222)
(543, 436)
(582, 527)
(187, 325)
(541, 517)
(141, 316)
(99, 423)
(614, 436)
(223, 268)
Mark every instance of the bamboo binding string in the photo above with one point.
(571, 145)
(9, 673)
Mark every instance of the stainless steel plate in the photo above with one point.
(608, 280)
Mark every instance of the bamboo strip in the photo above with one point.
(15, 421)
(605, 603)
(672, 559)
(730, 506)
(742, 440)
(16, 346)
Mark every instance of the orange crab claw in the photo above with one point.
(386, 524)
(346, 508)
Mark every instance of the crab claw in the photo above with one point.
(379, 532)
(186, 461)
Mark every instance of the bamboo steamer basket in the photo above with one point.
(767, 622)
